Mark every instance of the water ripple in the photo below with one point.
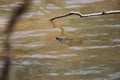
(93, 47)
(93, 35)
(24, 34)
(116, 40)
(114, 76)
(53, 7)
(52, 74)
(72, 6)
(112, 26)
(58, 29)
(81, 1)
(82, 72)
(49, 56)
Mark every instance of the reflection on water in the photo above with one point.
(94, 47)
(73, 49)
(81, 1)
(83, 72)
(30, 14)
(48, 56)
(117, 26)
(115, 75)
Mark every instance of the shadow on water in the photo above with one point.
(74, 49)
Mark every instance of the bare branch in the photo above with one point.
(7, 45)
(81, 16)
(86, 15)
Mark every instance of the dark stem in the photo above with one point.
(7, 49)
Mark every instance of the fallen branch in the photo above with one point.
(86, 15)
(81, 16)
(7, 45)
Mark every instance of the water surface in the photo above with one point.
(92, 49)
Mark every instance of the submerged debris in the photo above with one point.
(63, 39)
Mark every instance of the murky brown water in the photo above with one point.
(91, 51)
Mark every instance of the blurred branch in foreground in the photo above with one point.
(86, 15)
(7, 45)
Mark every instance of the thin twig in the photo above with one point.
(82, 16)
(86, 15)
(7, 45)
